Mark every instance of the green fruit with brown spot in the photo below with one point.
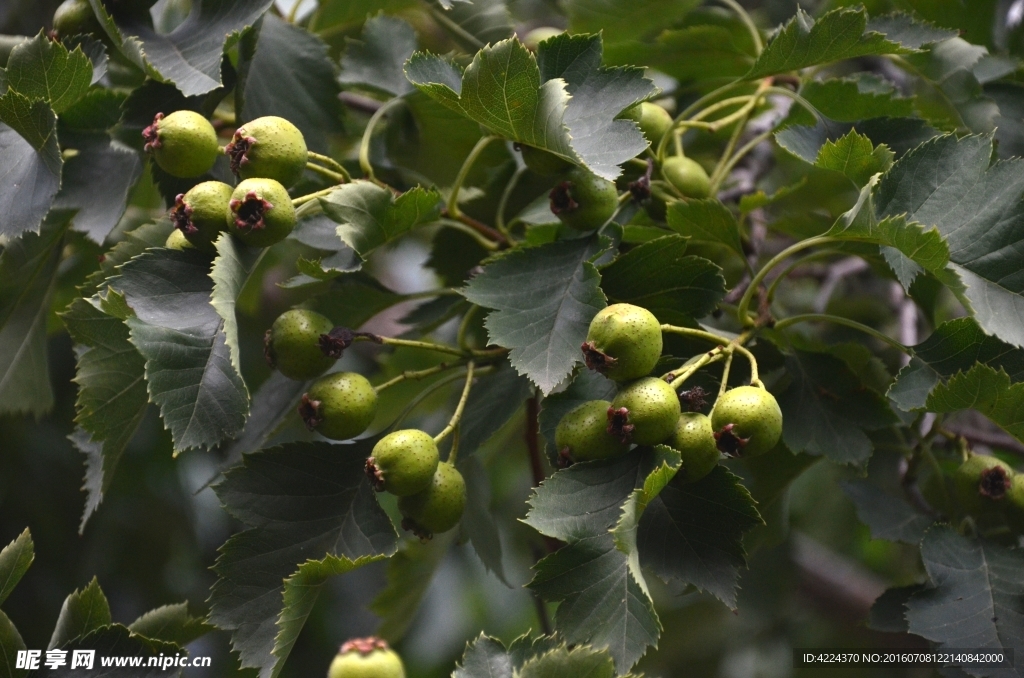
(270, 148)
(183, 144)
(292, 344)
(75, 17)
(403, 462)
(747, 421)
(339, 406)
(687, 176)
(644, 412)
(261, 212)
(582, 434)
(201, 214)
(438, 508)
(623, 342)
(695, 440)
(981, 484)
(583, 200)
(542, 162)
(177, 241)
(366, 658)
(653, 120)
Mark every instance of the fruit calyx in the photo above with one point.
(618, 424)
(565, 459)
(561, 198)
(994, 483)
(268, 349)
(641, 188)
(151, 134)
(181, 215)
(364, 646)
(694, 399)
(596, 359)
(237, 150)
(309, 410)
(334, 343)
(728, 442)
(249, 212)
(410, 525)
(374, 475)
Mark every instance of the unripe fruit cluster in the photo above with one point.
(624, 343)
(988, 489)
(268, 154)
(366, 658)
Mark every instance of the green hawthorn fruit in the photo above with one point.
(695, 440)
(403, 462)
(292, 344)
(687, 176)
(183, 144)
(202, 213)
(75, 17)
(542, 162)
(177, 241)
(582, 434)
(366, 658)
(981, 484)
(261, 212)
(268, 148)
(533, 39)
(583, 200)
(623, 343)
(747, 421)
(1014, 503)
(644, 412)
(339, 406)
(438, 508)
(653, 120)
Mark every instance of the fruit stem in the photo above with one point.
(464, 327)
(329, 162)
(309, 197)
(697, 119)
(820, 254)
(699, 334)
(460, 178)
(755, 282)
(782, 91)
(839, 320)
(725, 373)
(454, 28)
(457, 416)
(714, 355)
(499, 216)
(416, 374)
(755, 379)
(426, 392)
(364, 143)
(433, 346)
(755, 35)
(453, 454)
(721, 170)
(323, 171)
(476, 235)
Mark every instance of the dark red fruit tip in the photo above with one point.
(334, 343)
(410, 525)
(374, 475)
(728, 442)
(249, 212)
(994, 483)
(151, 134)
(238, 148)
(181, 215)
(565, 459)
(309, 410)
(561, 198)
(641, 188)
(694, 399)
(618, 424)
(364, 646)
(597, 360)
(268, 350)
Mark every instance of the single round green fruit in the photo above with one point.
(75, 17)
(542, 162)
(366, 658)
(653, 120)
(269, 147)
(177, 241)
(624, 342)
(981, 484)
(292, 344)
(202, 213)
(533, 39)
(438, 508)
(695, 440)
(687, 176)
(339, 406)
(582, 434)
(747, 421)
(261, 212)
(403, 462)
(183, 144)
(584, 201)
(644, 412)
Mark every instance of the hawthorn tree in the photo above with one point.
(808, 238)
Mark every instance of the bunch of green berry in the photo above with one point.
(301, 345)
(624, 343)
(366, 658)
(985, 488)
(268, 154)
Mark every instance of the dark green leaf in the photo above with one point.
(481, 22)
(410, 572)
(377, 59)
(889, 516)
(656, 275)
(300, 502)
(272, 404)
(44, 69)
(953, 98)
(975, 594)
(170, 624)
(622, 20)
(115, 640)
(493, 401)
(769, 478)
(478, 519)
(28, 268)
(30, 163)
(984, 389)
(692, 533)
(189, 371)
(699, 52)
(544, 298)
(135, 242)
(291, 76)
(587, 385)
(10, 644)
(354, 298)
(578, 661)
(908, 31)
(338, 14)
(852, 99)
(888, 614)
(83, 612)
(855, 157)
(369, 216)
(230, 272)
(15, 560)
(485, 657)
(708, 220)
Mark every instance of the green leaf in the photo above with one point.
(984, 389)
(231, 270)
(44, 69)
(888, 516)
(953, 98)
(135, 242)
(899, 134)
(578, 661)
(851, 99)
(977, 207)
(354, 298)
(834, 36)
(700, 52)
(15, 560)
(409, 574)
(825, 407)
(291, 76)
(492, 403)
(485, 657)
(273, 405)
(339, 14)
(855, 157)
(28, 269)
(115, 640)
(768, 478)
(708, 220)
(478, 519)
(544, 299)
(369, 215)
(910, 32)
(82, 613)
(31, 163)
(623, 20)
(656, 275)
(10, 644)
(692, 533)
(377, 59)
(974, 595)
(888, 613)
(299, 502)
(170, 624)
(600, 600)
(486, 21)
(189, 372)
